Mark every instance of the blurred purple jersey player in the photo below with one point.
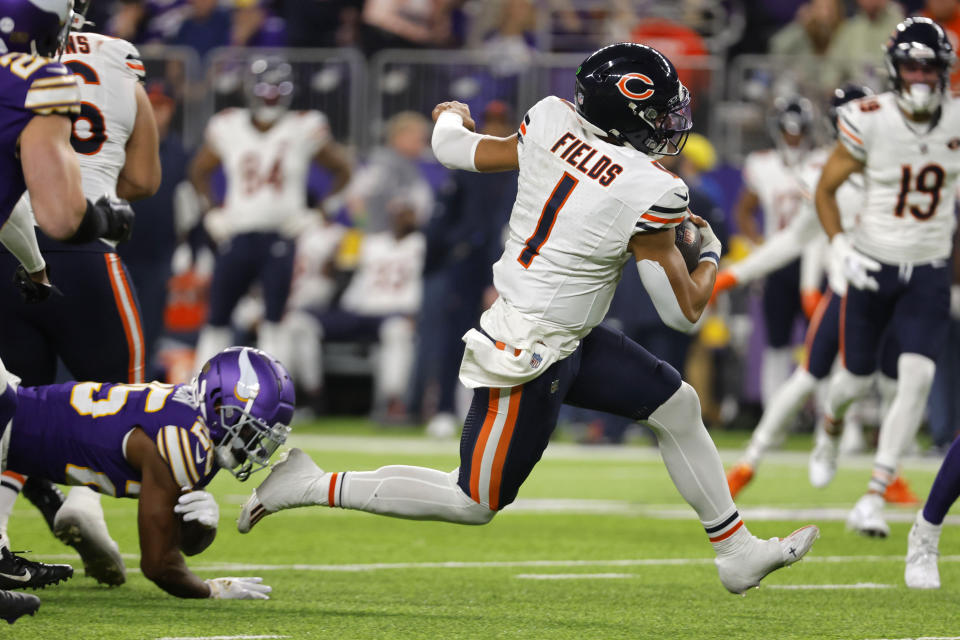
(161, 444)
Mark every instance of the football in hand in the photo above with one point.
(688, 242)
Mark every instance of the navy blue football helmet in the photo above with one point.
(37, 27)
(632, 93)
(921, 41)
(841, 96)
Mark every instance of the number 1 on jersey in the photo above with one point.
(548, 216)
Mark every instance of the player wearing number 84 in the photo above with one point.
(590, 197)
(906, 142)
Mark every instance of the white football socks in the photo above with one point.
(778, 413)
(691, 456)
(776, 367)
(417, 493)
(899, 427)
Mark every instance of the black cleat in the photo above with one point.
(19, 573)
(45, 496)
(14, 604)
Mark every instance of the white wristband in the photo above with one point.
(453, 144)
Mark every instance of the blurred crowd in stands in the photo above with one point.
(456, 219)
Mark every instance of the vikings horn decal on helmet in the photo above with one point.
(269, 87)
(37, 27)
(921, 42)
(841, 96)
(247, 400)
(632, 93)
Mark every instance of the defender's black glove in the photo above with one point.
(31, 291)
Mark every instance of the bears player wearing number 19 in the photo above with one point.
(906, 142)
(590, 197)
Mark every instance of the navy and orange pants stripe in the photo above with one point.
(95, 327)
(507, 429)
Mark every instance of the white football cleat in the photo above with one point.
(746, 569)
(79, 523)
(292, 482)
(921, 571)
(866, 517)
(823, 460)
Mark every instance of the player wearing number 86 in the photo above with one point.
(160, 444)
(590, 197)
(906, 142)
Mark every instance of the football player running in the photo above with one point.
(160, 444)
(822, 342)
(40, 96)
(772, 181)
(266, 151)
(591, 196)
(906, 144)
(94, 327)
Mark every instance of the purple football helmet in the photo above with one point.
(37, 27)
(247, 398)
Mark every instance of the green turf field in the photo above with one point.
(598, 546)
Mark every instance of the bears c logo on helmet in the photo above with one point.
(638, 77)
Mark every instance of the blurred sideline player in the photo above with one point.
(266, 151)
(160, 444)
(94, 327)
(822, 342)
(906, 143)
(590, 197)
(38, 98)
(772, 182)
(378, 306)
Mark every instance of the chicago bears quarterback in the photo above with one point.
(906, 144)
(266, 151)
(94, 327)
(590, 197)
(822, 342)
(161, 444)
(772, 182)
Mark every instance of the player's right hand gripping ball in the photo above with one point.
(688, 242)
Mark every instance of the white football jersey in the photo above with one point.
(109, 71)
(579, 201)
(388, 278)
(266, 171)
(910, 179)
(779, 187)
(312, 286)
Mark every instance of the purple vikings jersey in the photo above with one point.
(76, 433)
(29, 86)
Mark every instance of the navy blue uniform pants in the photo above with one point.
(243, 260)
(507, 430)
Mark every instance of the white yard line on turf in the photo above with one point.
(508, 564)
(572, 576)
(831, 587)
(921, 638)
(330, 445)
(222, 637)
